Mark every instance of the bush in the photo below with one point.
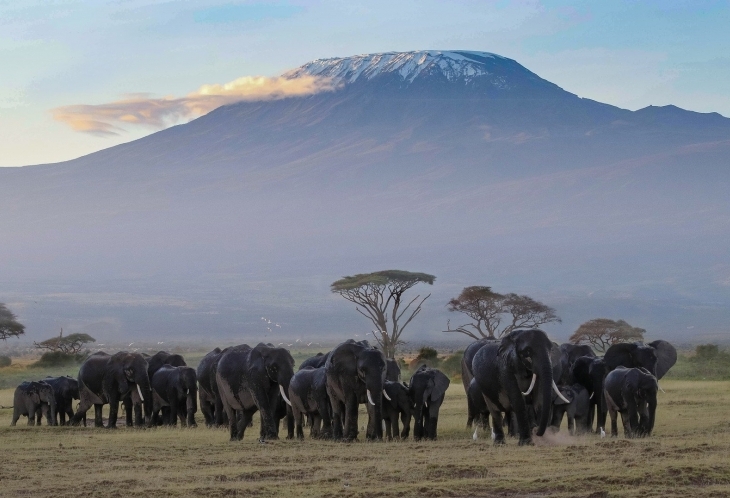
(708, 362)
(5, 361)
(451, 366)
(58, 359)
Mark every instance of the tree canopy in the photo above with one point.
(379, 298)
(602, 333)
(495, 315)
(71, 344)
(9, 324)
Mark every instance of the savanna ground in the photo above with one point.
(688, 455)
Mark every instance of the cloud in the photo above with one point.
(142, 110)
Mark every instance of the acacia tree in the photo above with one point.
(9, 324)
(378, 296)
(70, 345)
(495, 315)
(602, 333)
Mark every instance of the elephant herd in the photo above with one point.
(524, 382)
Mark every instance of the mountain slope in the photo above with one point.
(461, 164)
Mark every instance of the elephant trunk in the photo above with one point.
(191, 405)
(544, 371)
(52, 410)
(375, 407)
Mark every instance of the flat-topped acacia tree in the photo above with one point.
(9, 324)
(379, 298)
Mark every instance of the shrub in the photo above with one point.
(451, 366)
(58, 359)
(5, 361)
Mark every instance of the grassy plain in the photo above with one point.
(689, 455)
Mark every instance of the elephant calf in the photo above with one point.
(427, 391)
(396, 403)
(633, 393)
(33, 398)
(578, 409)
(175, 388)
(308, 397)
(65, 390)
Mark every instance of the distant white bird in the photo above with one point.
(290, 345)
(130, 344)
(268, 321)
(278, 325)
(280, 344)
(160, 342)
(298, 340)
(309, 344)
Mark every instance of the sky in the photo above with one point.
(55, 54)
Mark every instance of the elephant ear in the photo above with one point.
(437, 386)
(35, 397)
(666, 356)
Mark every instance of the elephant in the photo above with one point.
(427, 390)
(65, 390)
(308, 396)
(154, 363)
(657, 357)
(32, 399)
(578, 410)
(633, 393)
(509, 371)
(396, 403)
(355, 374)
(392, 370)
(250, 379)
(175, 388)
(105, 378)
(569, 353)
(466, 378)
(315, 361)
(210, 401)
(591, 373)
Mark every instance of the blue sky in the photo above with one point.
(62, 52)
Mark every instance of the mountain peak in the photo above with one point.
(484, 72)
(453, 64)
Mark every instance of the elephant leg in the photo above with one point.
(316, 430)
(128, 409)
(244, 421)
(571, 425)
(171, 413)
(16, 416)
(98, 420)
(113, 410)
(220, 413)
(614, 423)
(298, 422)
(405, 418)
(138, 418)
(433, 419)
(39, 416)
(232, 421)
(418, 422)
(31, 416)
(207, 412)
(337, 410)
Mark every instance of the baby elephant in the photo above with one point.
(308, 396)
(427, 390)
(33, 398)
(578, 410)
(175, 389)
(396, 403)
(631, 392)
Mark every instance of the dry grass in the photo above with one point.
(689, 455)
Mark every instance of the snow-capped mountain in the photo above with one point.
(457, 67)
(464, 165)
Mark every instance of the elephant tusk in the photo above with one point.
(494, 436)
(386, 395)
(660, 388)
(532, 384)
(560, 395)
(603, 433)
(281, 389)
(139, 390)
(591, 396)
(370, 398)
(476, 429)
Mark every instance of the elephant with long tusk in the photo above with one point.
(255, 379)
(355, 374)
(513, 373)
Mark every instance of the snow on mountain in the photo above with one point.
(454, 65)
